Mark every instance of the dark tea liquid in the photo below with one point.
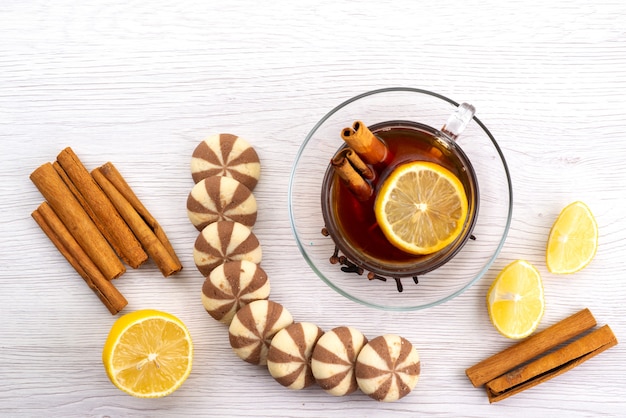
(355, 220)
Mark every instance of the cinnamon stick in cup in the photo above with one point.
(367, 145)
(78, 222)
(165, 261)
(363, 169)
(353, 179)
(107, 217)
(63, 240)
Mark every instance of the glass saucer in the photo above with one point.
(432, 288)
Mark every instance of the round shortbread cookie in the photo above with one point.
(387, 368)
(232, 285)
(253, 327)
(334, 358)
(226, 155)
(224, 241)
(289, 355)
(221, 198)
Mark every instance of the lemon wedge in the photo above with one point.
(148, 353)
(421, 207)
(515, 300)
(573, 240)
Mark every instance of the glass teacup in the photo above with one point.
(351, 223)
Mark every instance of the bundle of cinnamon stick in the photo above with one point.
(542, 356)
(97, 222)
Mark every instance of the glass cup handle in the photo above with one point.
(457, 122)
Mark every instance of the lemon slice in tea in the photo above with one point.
(515, 300)
(421, 207)
(148, 354)
(573, 240)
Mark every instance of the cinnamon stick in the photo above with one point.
(122, 238)
(111, 173)
(167, 263)
(367, 145)
(530, 348)
(363, 169)
(353, 180)
(75, 191)
(63, 240)
(551, 365)
(77, 221)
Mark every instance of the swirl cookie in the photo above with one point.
(253, 327)
(387, 368)
(289, 355)
(232, 285)
(221, 199)
(226, 155)
(224, 241)
(333, 360)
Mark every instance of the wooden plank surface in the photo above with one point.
(141, 83)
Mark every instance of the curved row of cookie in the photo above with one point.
(236, 291)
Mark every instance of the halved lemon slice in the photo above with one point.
(148, 354)
(421, 207)
(573, 240)
(515, 300)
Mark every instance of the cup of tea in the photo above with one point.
(334, 221)
(349, 213)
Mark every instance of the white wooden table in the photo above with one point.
(141, 83)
